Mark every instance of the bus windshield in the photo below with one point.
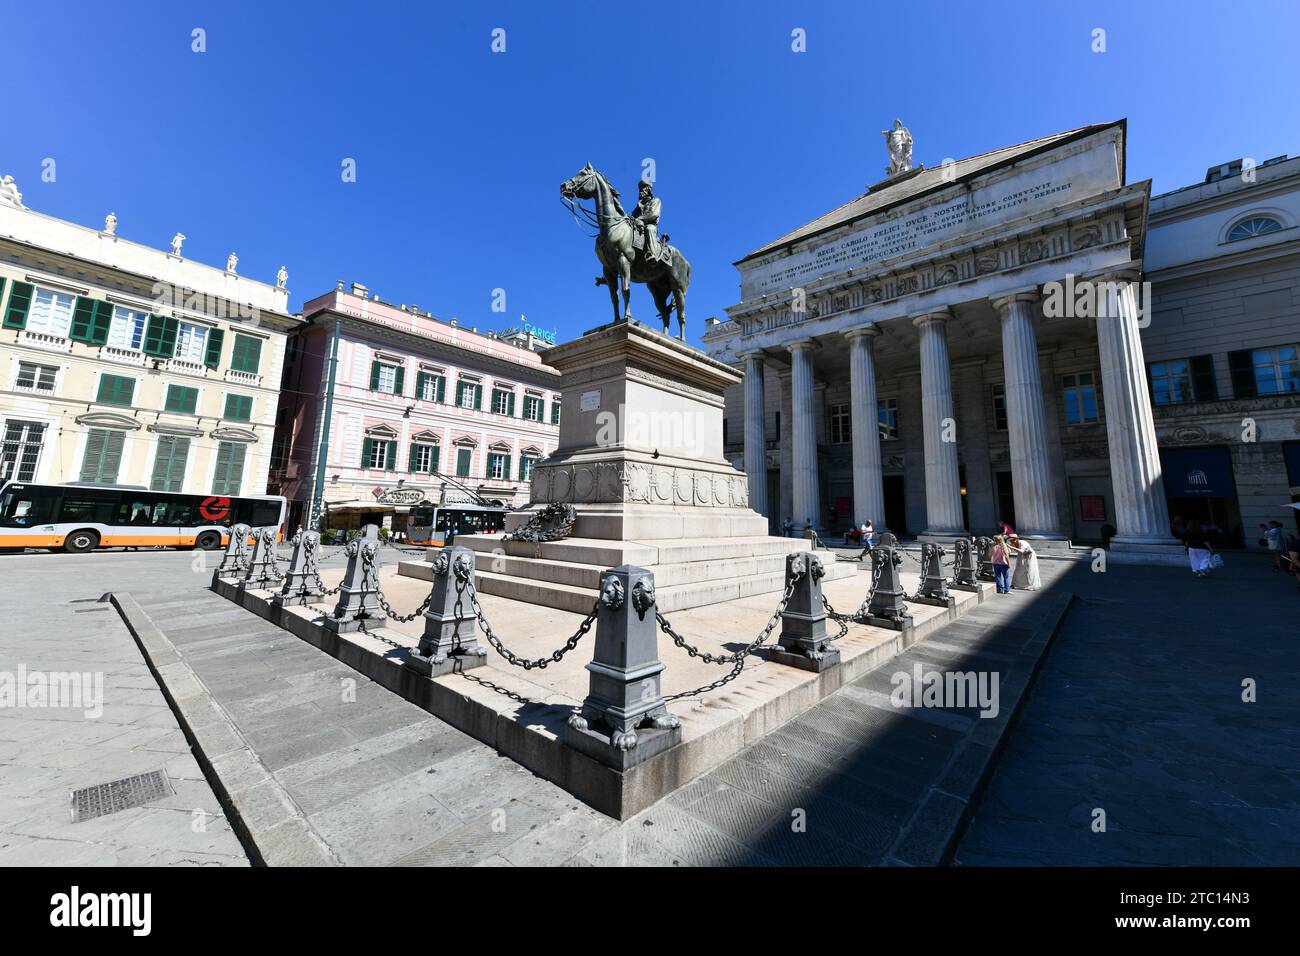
(25, 507)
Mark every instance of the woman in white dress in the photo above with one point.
(1025, 576)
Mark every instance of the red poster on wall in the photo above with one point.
(1092, 507)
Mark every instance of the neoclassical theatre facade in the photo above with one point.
(960, 345)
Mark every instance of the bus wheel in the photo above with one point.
(208, 541)
(79, 542)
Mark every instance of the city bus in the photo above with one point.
(83, 517)
(434, 524)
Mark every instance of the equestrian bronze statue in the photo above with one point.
(630, 248)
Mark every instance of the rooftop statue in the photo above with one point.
(630, 248)
(899, 143)
(9, 194)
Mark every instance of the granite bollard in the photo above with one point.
(982, 546)
(804, 642)
(965, 566)
(624, 719)
(888, 605)
(359, 593)
(302, 583)
(261, 572)
(450, 640)
(235, 561)
(934, 582)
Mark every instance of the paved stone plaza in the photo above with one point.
(1144, 722)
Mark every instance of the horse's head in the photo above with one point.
(582, 185)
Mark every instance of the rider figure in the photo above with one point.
(647, 209)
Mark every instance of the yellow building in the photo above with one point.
(124, 364)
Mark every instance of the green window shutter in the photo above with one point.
(442, 389)
(1242, 367)
(478, 398)
(419, 384)
(103, 455)
(216, 338)
(505, 472)
(230, 468)
(390, 460)
(160, 336)
(102, 323)
(460, 391)
(181, 398)
(510, 405)
(365, 453)
(83, 319)
(435, 458)
(410, 457)
(115, 390)
(246, 354)
(169, 463)
(555, 412)
(3, 283)
(399, 381)
(374, 376)
(20, 300)
(463, 458)
(239, 408)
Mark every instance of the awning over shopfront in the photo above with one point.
(1197, 473)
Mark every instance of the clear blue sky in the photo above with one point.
(460, 151)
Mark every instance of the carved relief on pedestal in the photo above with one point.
(1034, 250)
(1086, 236)
(946, 273)
(639, 483)
(986, 262)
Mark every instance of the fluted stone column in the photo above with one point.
(1141, 510)
(1031, 477)
(942, 479)
(803, 435)
(755, 433)
(868, 481)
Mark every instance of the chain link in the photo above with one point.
(737, 659)
(403, 618)
(465, 588)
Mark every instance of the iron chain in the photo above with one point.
(465, 588)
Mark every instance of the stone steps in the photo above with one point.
(609, 554)
(572, 586)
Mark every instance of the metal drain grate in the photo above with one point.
(105, 798)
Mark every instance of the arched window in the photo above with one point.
(1252, 227)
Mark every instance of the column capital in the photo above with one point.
(1127, 272)
(1028, 294)
(800, 344)
(755, 353)
(934, 315)
(866, 332)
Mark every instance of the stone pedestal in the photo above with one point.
(358, 604)
(641, 461)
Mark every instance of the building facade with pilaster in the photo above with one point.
(964, 345)
(424, 411)
(125, 364)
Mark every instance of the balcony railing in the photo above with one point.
(113, 353)
(243, 378)
(44, 340)
(186, 367)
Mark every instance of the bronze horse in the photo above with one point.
(623, 263)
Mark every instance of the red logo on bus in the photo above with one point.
(215, 509)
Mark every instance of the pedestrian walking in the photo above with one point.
(1199, 551)
(867, 535)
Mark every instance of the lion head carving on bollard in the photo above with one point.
(611, 593)
(643, 595)
(815, 567)
(463, 566)
(441, 565)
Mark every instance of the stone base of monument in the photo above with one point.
(525, 714)
(436, 666)
(640, 459)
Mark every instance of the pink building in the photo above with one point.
(423, 410)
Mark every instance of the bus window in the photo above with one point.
(28, 507)
(136, 510)
(88, 506)
(266, 514)
(175, 512)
